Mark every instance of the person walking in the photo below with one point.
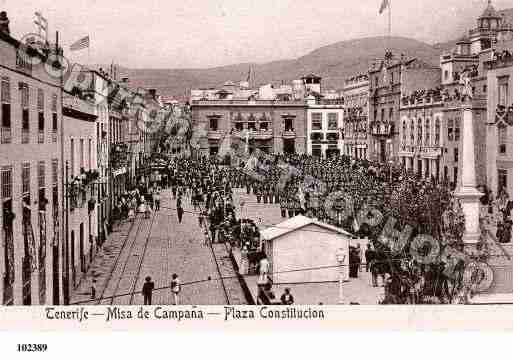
(156, 201)
(175, 288)
(369, 257)
(147, 290)
(179, 208)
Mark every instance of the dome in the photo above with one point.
(490, 12)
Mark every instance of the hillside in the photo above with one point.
(333, 62)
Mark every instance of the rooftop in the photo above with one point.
(296, 223)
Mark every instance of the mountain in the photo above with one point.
(334, 63)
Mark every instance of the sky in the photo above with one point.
(201, 33)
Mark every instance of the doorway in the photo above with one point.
(289, 146)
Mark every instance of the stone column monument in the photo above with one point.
(466, 191)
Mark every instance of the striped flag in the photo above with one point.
(80, 44)
(384, 5)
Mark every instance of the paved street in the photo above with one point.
(156, 247)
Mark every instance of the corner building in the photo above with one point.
(30, 175)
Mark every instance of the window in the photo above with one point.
(316, 121)
(40, 116)
(419, 132)
(25, 179)
(450, 125)
(213, 124)
(502, 179)
(457, 129)
(332, 121)
(456, 155)
(375, 114)
(72, 157)
(485, 88)
(55, 171)
(289, 124)
(404, 131)
(391, 114)
(82, 153)
(264, 126)
(383, 114)
(428, 131)
(41, 174)
(503, 91)
(503, 137)
(412, 132)
(6, 110)
(25, 120)
(437, 131)
(6, 178)
(90, 154)
(446, 75)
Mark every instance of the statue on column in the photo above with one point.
(466, 86)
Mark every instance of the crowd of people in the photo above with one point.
(208, 184)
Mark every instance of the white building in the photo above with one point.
(323, 123)
(304, 250)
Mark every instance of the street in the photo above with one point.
(156, 247)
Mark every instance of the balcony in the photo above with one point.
(382, 129)
(25, 135)
(41, 137)
(215, 134)
(6, 136)
(54, 136)
(289, 133)
(430, 152)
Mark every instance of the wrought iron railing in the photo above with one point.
(6, 136)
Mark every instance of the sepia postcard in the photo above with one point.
(246, 165)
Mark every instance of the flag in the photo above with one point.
(80, 44)
(41, 22)
(384, 5)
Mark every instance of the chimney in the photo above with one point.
(4, 23)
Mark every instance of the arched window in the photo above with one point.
(427, 125)
(419, 129)
(404, 131)
(412, 132)
(437, 131)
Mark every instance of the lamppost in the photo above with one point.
(341, 257)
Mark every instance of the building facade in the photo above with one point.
(80, 177)
(30, 174)
(274, 126)
(356, 116)
(323, 128)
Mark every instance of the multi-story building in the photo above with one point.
(81, 176)
(30, 174)
(422, 135)
(356, 116)
(325, 120)
(472, 55)
(499, 159)
(386, 81)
